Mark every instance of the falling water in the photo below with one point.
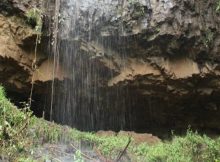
(83, 99)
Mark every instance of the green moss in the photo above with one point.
(34, 18)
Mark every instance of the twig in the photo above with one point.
(123, 152)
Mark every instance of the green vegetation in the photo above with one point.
(191, 148)
(52, 133)
(34, 18)
(139, 10)
(208, 38)
(13, 126)
(21, 133)
(218, 6)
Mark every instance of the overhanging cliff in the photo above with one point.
(158, 62)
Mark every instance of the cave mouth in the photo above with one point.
(80, 104)
(131, 111)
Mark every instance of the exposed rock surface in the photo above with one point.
(159, 58)
(19, 65)
(162, 55)
(17, 7)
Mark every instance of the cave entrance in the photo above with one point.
(131, 111)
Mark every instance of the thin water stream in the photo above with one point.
(81, 99)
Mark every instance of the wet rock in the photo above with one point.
(158, 61)
(19, 65)
(17, 7)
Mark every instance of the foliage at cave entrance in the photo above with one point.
(20, 133)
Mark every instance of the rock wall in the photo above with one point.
(169, 50)
(19, 66)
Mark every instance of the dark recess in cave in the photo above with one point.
(143, 114)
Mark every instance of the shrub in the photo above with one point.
(19, 132)
(190, 148)
(13, 125)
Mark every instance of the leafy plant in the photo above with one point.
(190, 148)
(21, 133)
(13, 126)
(78, 157)
(34, 18)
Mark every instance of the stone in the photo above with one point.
(170, 73)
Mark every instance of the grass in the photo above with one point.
(13, 126)
(190, 148)
(53, 133)
(21, 133)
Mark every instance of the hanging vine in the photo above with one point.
(35, 19)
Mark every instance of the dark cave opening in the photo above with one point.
(139, 113)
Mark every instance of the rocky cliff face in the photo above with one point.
(169, 50)
(19, 67)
